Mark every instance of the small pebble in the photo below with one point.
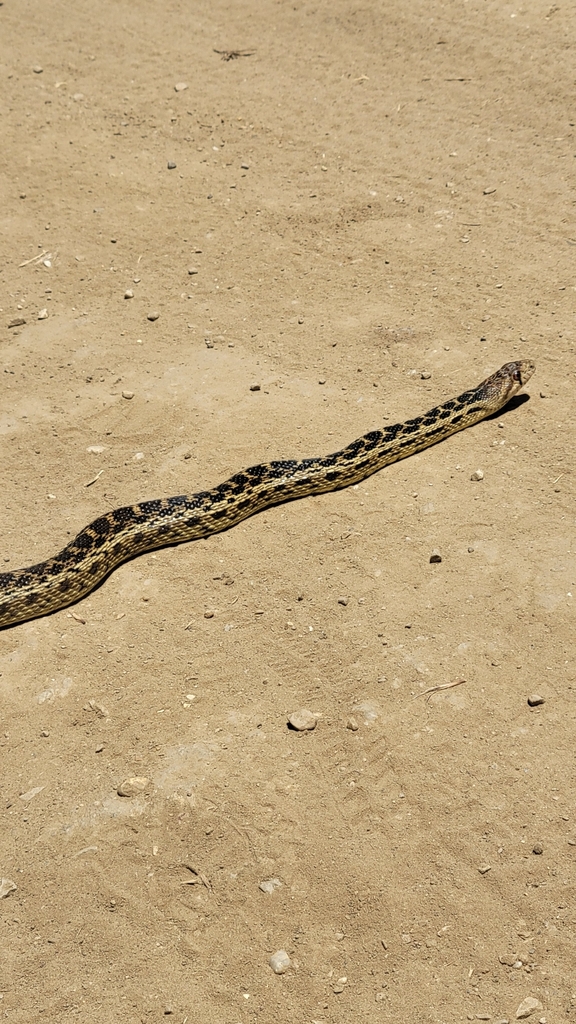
(338, 986)
(488, 191)
(270, 884)
(535, 699)
(132, 786)
(484, 868)
(527, 1007)
(245, 167)
(37, 69)
(352, 724)
(180, 86)
(127, 394)
(19, 321)
(302, 720)
(435, 556)
(6, 887)
(279, 961)
(129, 293)
(171, 165)
(153, 316)
(43, 314)
(192, 270)
(209, 614)
(99, 748)
(477, 475)
(343, 600)
(255, 387)
(508, 959)
(208, 342)
(96, 449)
(44, 732)
(425, 375)
(538, 848)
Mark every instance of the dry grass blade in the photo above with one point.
(436, 689)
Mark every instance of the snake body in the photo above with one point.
(126, 532)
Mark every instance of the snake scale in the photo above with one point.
(126, 532)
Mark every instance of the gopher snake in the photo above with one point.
(126, 532)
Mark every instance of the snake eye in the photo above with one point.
(516, 376)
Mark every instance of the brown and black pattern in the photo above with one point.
(126, 532)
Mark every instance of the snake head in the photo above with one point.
(511, 377)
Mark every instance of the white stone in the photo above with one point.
(6, 887)
(270, 884)
(133, 786)
(279, 961)
(527, 1007)
(302, 720)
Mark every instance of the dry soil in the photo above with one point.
(363, 209)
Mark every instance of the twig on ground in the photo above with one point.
(435, 689)
(198, 877)
(233, 54)
(94, 479)
(34, 259)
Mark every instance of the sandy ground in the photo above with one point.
(371, 209)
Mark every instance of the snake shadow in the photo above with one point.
(514, 403)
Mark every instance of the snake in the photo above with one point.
(124, 533)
